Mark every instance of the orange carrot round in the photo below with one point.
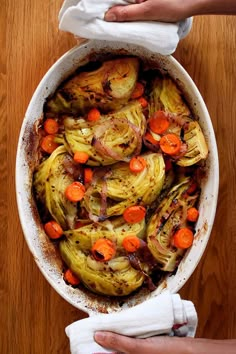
(137, 164)
(51, 126)
(81, 157)
(133, 214)
(71, 278)
(159, 122)
(103, 250)
(138, 90)
(131, 243)
(75, 192)
(48, 144)
(192, 214)
(88, 175)
(183, 238)
(170, 144)
(94, 115)
(53, 230)
(143, 102)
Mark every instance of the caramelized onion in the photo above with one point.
(103, 209)
(135, 263)
(150, 146)
(158, 246)
(75, 170)
(102, 173)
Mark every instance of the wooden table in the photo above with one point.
(33, 316)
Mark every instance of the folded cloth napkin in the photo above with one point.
(85, 18)
(164, 314)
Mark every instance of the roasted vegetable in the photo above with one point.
(115, 277)
(114, 137)
(116, 188)
(166, 96)
(194, 147)
(50, 182)
(197, 149)
(169, 216)
(108, 88)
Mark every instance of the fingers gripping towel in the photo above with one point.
(85, 18)
(165, 314)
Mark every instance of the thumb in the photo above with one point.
(134, 12)
(116, 342)
(127, 345)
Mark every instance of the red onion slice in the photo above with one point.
(103, 210)
(74, 169)
(150, 146)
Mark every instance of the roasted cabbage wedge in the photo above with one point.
(197, 148)
(119, 188)
(116, 277)
(169, 216)
(114, 137)
(108, 88)
(50, 182)
(166, 96)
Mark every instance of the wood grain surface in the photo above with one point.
(32, 315)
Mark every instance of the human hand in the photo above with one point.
(169, 10)
(164, 344)
(147, 10)
(153, 345)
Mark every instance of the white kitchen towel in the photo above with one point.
(165, 314)
(85, 18)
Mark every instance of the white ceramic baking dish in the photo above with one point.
(42, 248)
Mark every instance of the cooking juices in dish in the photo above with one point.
(119, 178)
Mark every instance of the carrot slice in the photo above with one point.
(183, 238)
(170, 144)
(143, 102)
(53, 230)
(48, 144)
(51, 126)
(192, 188)
(159, 122)
(75, 192)
(88, 175)
(137, 164)
(151, 139)
(192, 214)
(133, 214)
(71, 278)
(94, 115)
(131, 243)
(81, 157)
(103, 250)
(138, 90)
